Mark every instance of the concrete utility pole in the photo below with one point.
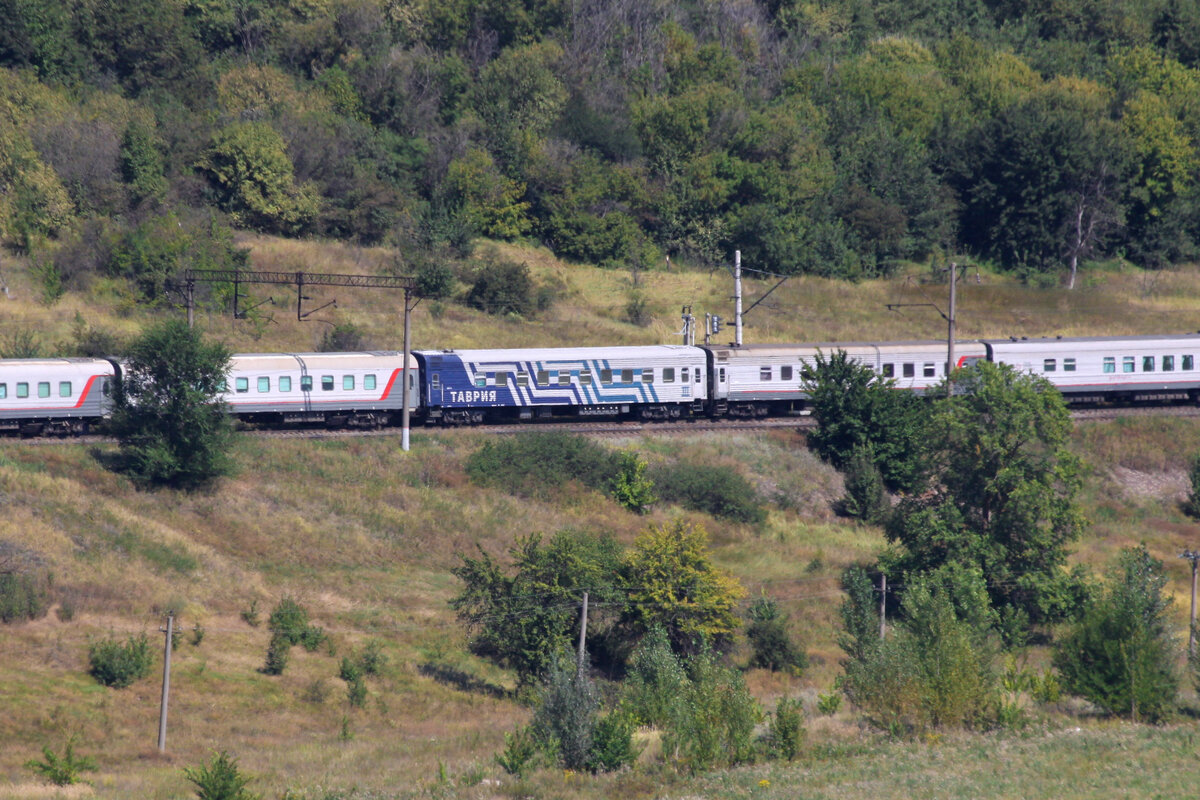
(950, 325)
(737, 297)
(1194, 557)
(882, 605)
(582, 637)
(404, 413)
(166, 683)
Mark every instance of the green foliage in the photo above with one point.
(566, 716)
(220, 779)
(524, 620)
(142, 162)
(62, 770)
(1005, 499)
(717, 490)
(356, 692)
(770, 641)
(278, 654)
(433, 278)
(1121, 654)
(520, 751)
(20, 343)
(488, 200)
(865, 498)
(934, 669)
(171, 429)
(502, 287)
(859, 636)
(118, 664)
(631, 487)
(249, 168)
(1191, 506)
(654, 680)
(713, 721)
(856, 409)
(341, 338)
(613, 747)
(671, 582)
(828, 704)
(539, 464)
(22, 597)
(785, 734)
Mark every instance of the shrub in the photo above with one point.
(612, 743)
(828, 704)
(630, 486)
(865, 498)
(119, 665)
(566, 718)
(520, 750)
(768, 635)
(720, 491)
(341, 338)
(356, 692)
(278, 653)
(62, 770)
(655, 680)
(502, 287)
(715, 718)
(433, 278)
(1121, 654)
(220, 779)
(537, 464)
(21, 597)
(1191, 506)
(786, 731)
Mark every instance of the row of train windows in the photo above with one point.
(284, 383)
(1129, 363)
(43, 389)
(909, 370)
(608, 377)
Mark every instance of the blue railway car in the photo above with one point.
(652, 382)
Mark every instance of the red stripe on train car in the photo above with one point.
(83, 395)
(388, 389)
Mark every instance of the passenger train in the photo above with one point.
(656, 382)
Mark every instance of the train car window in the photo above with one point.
(1185, 362)
(348, 383)
(481, 380)
(242, 385)
(1068, 365)
(285, 383)
(585, 377)
(22, 390)
(1110, 363)
(626, 376)
(683, 375)
(668, 374)
(721, 375)
(909, 370)
(502, 379)
(1168, 363)
(698, 380)
(929, 370)
(3, 391)
(435, 382)
(785, 373)
(543, 377)
(564, 377)
(1127, 363)
(64, 389)
(522, 379)
(764, 373)
(264, 384)
(326, 383)
(606, 377)
(647, 376)
(106, 388)
(1147, 363)
(306, 383)
(1049, 365)
(369, 382)
(43, 388)
(889, 370)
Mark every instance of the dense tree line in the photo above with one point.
(833, 138)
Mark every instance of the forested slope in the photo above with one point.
(835, 137)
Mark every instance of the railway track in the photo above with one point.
(610, 429)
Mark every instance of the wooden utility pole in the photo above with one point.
(166, 683)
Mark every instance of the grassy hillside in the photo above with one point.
(364, 536)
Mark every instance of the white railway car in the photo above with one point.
(1102, 369)
(651, 382)
(757, 380)
(54, 395)
(354, 389)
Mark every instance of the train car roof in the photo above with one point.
(752, 350)
(51, 362)
(1014, 342)
(569, 353)
(367, 359)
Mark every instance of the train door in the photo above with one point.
(306, 385)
